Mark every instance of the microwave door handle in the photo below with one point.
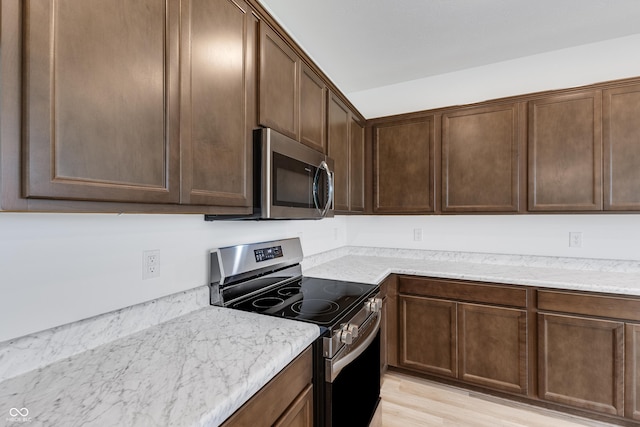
(324, 166)
(316, 177)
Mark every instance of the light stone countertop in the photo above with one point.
(373, 265)
(178, 361)
(194, 370)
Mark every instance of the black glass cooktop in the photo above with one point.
(319, 301)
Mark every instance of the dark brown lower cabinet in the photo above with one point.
(563, 349)
(632, 371)
(581, 362)
(285, 401)
(300, 413)
(476, 343)
(492, 347)
(428, 335)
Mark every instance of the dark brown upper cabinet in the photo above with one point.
(565, 152)
(347, 149)
(313, 111)
(279, 88)
(292, 96)
(482, 149)
(218, 110)
(356, 166)
(621, 132)
(101, 101)
(339, 151)
(403, 166)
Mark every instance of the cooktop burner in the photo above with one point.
(319, 301)
(267, 302)
(314, 306)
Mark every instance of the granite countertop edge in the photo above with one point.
(375, 269)
(194, 370)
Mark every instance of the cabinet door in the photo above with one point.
(403, 166)
(428, 335)
(621, 131)
(101, 100)
(565, 153)
(384, 347)
(279, 89)
(356, 167)
(313, 112)
(481, 159)
(339, 151)
(492, 346)
(632, 371)
(580, 362)
(300, 413)
(218, 98)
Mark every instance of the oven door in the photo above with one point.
(297, 182)
(352, 380)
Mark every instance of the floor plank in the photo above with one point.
(416, 402)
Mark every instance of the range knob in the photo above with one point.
(345, 336)
(353, 329)
(374, 305)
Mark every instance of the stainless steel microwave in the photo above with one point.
(291, 180)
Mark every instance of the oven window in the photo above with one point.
(354, 395)
(293, 182)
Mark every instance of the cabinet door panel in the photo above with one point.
(218, 113)
(632, 371)
(339, 151)
(480, 159)
(300, 413)
(581, 362)
(621, 131)
(428, 335)
(279, 74)
(565, 153)
(101, 107)
(403, 167)
(493, 347)
(313, 95)
(356, 167)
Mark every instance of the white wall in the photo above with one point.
(60, 268)
(603, 236)
(578, 66)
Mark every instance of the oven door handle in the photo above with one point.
(341, 363)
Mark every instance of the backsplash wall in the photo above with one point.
(603, 236)
(60, 268)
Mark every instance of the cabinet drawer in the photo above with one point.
(464, 291)
(594, 305)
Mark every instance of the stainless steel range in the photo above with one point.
(267, 278)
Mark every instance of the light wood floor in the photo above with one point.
(408, 401)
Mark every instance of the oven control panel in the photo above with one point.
(265, 254)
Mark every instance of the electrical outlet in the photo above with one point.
(417, 234)
(150, 264)
(575, 239)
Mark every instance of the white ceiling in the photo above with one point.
(365, 44)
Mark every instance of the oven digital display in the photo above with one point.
(266, 254)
